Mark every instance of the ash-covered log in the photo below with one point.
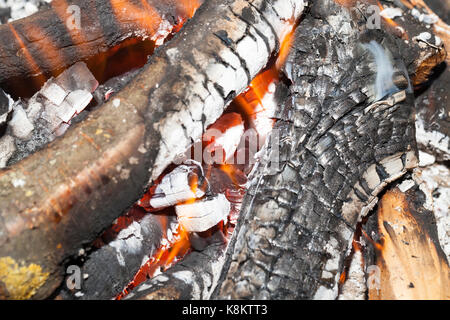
(345, 146)
(79, 184)
(109, 269)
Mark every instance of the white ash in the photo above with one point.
(426, 18)
(355, 286)
(49, 112)
(433, 140)
(225, 136)
(21, 126)
(436, 178)
(203, 214)
(53, 92)
(128, 240)
(426, 159)
(175, 188)
(406, 185)
(391, 13)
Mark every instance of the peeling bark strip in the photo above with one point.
(62, 197)
(54, 39)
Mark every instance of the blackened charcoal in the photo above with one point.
(39, 137)
(4, 103)
(113, 85)
(5, 14)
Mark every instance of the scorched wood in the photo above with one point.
(410, 261)
(61, 197)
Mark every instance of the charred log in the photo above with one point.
(108, 270)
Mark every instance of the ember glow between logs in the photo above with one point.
(257, 105)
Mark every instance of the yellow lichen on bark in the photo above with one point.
(21, 282)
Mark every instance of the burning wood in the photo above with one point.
(329, 100)
(49, 112)
(202, 215)
(316, 197)
(176, 187)
(223, 138)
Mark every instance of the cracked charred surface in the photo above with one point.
(298, 221)
(53, 202)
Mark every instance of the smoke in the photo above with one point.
(384, 84)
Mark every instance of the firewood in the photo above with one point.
(433, 105)
(410, 261)
(62, 196)
(76, 30)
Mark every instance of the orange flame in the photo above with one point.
(285, 48)
(189, 6)
(182, 245)
(388, 20)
